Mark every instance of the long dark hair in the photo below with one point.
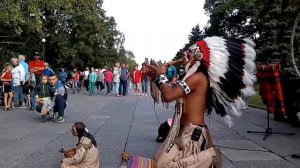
(81, 131)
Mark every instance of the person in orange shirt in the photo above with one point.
(6, 79)
(37, 66)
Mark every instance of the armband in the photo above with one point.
(160, 80)
(185, 87)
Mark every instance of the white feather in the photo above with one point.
(249, 65)
(249, 52)
(237, 104)
(234, 111)
(228, 121)
(248, 79)
(192, 70)
(218, 60)
(248, 91)
(241, 102)
(249, 41)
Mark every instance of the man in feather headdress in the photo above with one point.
(217, 71)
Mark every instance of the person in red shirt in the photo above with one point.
(37, 66)
(108, 80)
(136, 77)
(75, 81)
(6, 79)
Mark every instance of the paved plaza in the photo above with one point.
(130, 124)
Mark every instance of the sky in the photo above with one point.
(156, 29)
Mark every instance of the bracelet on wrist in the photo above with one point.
(160, 80)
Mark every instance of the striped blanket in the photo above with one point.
(140, 162)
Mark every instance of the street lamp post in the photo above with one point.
(43, 41)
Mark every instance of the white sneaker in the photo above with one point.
(142, 94)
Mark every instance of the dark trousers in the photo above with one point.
(123, 87)
(32, 98)
(86, 84)
(108, 87)
(60, 105)
(99, 85)
(37, 80)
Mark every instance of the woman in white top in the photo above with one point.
(116, 75)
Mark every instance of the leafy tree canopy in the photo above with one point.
(77, 32)
(268, 22)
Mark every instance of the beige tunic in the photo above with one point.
(87, 156)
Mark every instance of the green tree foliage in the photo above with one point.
(196, 35)
(77, 32)
(233, 18)
(268, 22)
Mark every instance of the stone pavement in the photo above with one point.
(130, 124)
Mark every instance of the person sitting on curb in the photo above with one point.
(87, 154)
(43, 93)
(58, 103)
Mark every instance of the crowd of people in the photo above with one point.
(117, 79)
(34, 85)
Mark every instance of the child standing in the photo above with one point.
(43, 94)
(6, 79)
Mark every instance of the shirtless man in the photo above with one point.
(194, 106)
(178, 152)
(213, 66)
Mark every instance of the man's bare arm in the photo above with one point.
(173, 93)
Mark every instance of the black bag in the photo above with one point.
(66, 93)
(163, 131)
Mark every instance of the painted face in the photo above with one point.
(44, 79)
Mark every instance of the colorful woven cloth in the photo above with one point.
(140, 162)
(270, 88)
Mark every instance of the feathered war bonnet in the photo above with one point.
(230, 67)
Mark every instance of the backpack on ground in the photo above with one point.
(163, 130)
